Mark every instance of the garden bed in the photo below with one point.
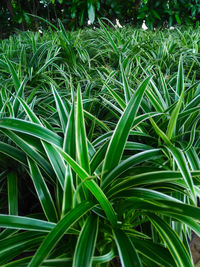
(99, 147)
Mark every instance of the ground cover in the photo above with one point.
(99, 148)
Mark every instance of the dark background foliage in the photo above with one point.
(75, 13)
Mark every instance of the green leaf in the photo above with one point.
(58, 231)
(109, 37)
(148, 178)
(193, 158)
(98, 157)
(15, 240)
(96, 120)
(63, 33)
(46, 64)
(31, 129)
(139, 119)
(54, 157)
(18, 94)
(67, 192)
(85, 246)
(184, 169)
(174, 116)
(137, 146)
(191, 105)
(92, 186)
(69, 146)
(30, 151)
(178, 20)
(56, 161)
(45, 20)
(127, 91)
(147, 194)
(158, 95)
(18, 263)
(160, 133)
(117, 98)
(150, 250)
(180, 79)
(40, 50)
(13, 152)
(112, 107)
(130, 162)
(165, 89)
(62, 111)
(81, 141)
(63, 261)
(155, 13)
(14, 245)
(25, 223)
(192, 137)
(13, 73)
(28, 111)
(154, 100)
(172, 240)
(126, 249)
(121, 132)
(189, 221)
(43, 192)
(160, 203)
(16, 250)
(12, 193)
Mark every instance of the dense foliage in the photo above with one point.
(75, 13)
(99, 147)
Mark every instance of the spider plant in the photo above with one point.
(99, 164)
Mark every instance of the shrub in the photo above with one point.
(75, 14)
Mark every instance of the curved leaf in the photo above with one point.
(58, 231)
(86, 243)
(43, 192)
(32, 129)
(121, 132)
(126, 249)
(93, 187)
(130, 162)
(173, 242)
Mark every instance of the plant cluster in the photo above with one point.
(99, 147)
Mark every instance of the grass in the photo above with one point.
(99, 147)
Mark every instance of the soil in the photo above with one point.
(195, 249)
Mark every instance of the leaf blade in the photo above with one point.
(126, 249)
(58, 231)
(172, 240)
(120, 135)
(86, 243)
